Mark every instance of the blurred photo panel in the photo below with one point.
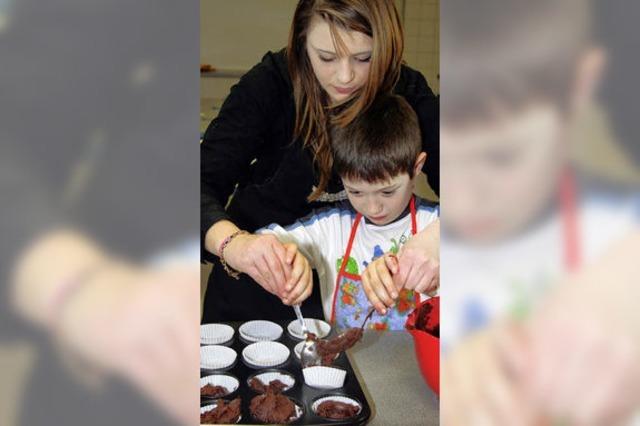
(99, 223)
(540, 212)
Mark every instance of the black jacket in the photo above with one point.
(250, 144)
(256, 123)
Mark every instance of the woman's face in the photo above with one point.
(339, 75)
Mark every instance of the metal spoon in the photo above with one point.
(369, 314)
(309, 355)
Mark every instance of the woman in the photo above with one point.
(271, 139)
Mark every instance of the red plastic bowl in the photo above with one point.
(426, 345)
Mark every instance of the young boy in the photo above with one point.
(378, 158)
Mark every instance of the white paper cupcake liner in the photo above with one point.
(269, 376)
(260, 330)
(298, 413)
(265, 354)
(322, 377)
(215, 357)
(215, 334)
(224, 380)
(210, 407)
(316, 326)
(339, 398)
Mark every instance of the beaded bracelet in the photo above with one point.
(69, 288)
(231, 272)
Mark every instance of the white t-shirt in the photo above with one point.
(323, 235)
(483, 283)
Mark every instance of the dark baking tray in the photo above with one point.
(300, 392)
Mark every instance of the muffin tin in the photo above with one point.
(300, 393)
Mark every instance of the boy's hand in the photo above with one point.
(299, 286)
(378, 283)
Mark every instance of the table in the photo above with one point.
(387, 369)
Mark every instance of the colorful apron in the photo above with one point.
(350, 304)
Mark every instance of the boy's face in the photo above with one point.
(382, 202)
(498, 175)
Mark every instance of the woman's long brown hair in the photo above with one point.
(314, 113)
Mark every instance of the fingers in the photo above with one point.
(301, 281)
(263, 275)
(392, 263)
(476, 388)
(303, 289)
(291, 250)
(275, 260)
(379, 286)
(428, 278)
(401, 279)
(296, 263)
(417, 271)
(372, 296)
(264, 258)
(384, 276)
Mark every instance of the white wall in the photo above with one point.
(234, 34)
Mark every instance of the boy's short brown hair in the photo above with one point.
(383, 142)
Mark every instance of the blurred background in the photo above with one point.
(98, 166)
(540, 211)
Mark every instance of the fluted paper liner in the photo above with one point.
(316, 326)
(260, 330)
(265, 354)
(215, 334)
(322, 377)
(214, 357)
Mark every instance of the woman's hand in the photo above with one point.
(377, 282)
(419, 261)
(480, 383)
(120, 319)
(141, 325)
(299, 286)
(263, 258)
(581, 371)
(585, 342)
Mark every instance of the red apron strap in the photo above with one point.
(572, 255)
(345, 260)
(414, 231)
(414, 222)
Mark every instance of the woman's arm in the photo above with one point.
(428, 111)
(232, 141)
(414, 87)
(419, 261)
